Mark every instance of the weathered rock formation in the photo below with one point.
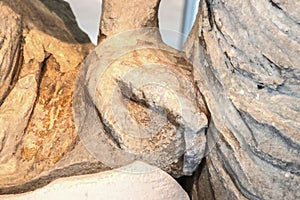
(41, 50)
(241, 71)
(119, 17)
(137, 100)
(245, 56)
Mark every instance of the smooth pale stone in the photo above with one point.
(135, 181)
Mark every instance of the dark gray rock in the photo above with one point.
(246, 57)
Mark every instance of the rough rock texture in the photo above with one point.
(145, 181)
(41, 49)
(246, 63)
(119, 17)
(245, 57)
(167, 128)
(137, 100)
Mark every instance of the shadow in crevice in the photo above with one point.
(198, 185)
(53, 17)
(186, 183)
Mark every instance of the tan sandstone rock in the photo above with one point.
(119, 17)
(41, 50)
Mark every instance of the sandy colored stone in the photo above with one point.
(41, 50)
(119, 17)
(245, 57)
(136, 100)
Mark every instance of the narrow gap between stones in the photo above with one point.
(187, 182)
(40, 77)
(18, 52)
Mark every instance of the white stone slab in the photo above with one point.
(135, 181)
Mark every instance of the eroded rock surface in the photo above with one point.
(245, 57)
(181, 110)
(119, 17)
(136, 99)
(41, 49)
(246, 61)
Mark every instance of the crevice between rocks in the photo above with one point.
(16, 69)
(40, 77)
(199, 179)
